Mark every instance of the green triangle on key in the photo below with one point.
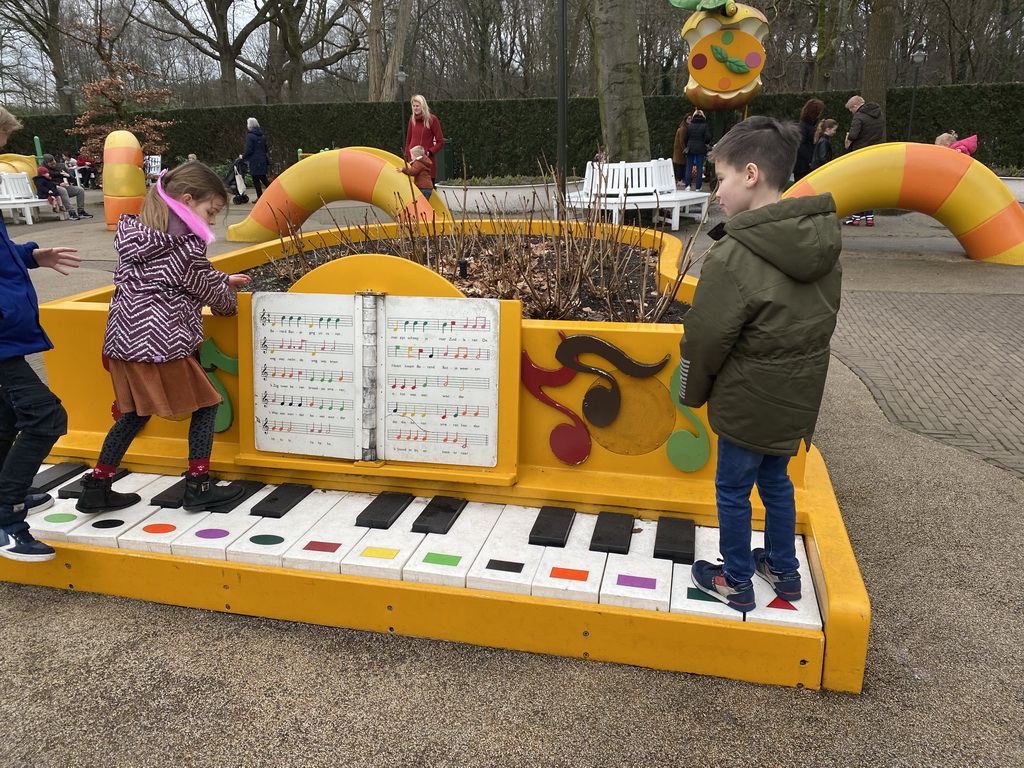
(692, 593)
(436, 558)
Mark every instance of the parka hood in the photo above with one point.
(871, 108)
(136, 243)
(792, 235)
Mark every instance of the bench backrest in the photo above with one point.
(17, 186)
(654, 177)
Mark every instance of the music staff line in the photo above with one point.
(313, 346)
(444, 411)
(302, 400)
(306, 427)
(438, 353)
(456, 382)
(420, 435)
(417, 324)
(320, 322)
(286, 372)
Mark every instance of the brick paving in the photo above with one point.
(946, 366)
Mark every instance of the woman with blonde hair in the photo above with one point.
(424, 131)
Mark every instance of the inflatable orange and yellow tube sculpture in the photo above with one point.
(124, 183)
(354, 173)
(958, 191)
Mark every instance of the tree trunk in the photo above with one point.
(619, 92)
(827, 35)
(881, 34)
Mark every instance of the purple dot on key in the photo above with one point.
(212, 533)
(639, 582)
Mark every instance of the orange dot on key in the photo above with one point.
(160, 528)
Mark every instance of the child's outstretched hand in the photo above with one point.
(57, 258)
(237, 281)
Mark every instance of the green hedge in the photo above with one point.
(518, 137)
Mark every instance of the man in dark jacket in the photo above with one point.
(31, 417)
(866, 128)
(755, 348)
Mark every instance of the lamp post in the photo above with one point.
(917, 59)
(69, 92)
(401, 77)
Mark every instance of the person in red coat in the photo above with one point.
(424, 131)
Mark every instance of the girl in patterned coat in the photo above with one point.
(155, 327)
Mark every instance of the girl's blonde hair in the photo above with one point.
(823, 126)
(8, 122)
(424, 108)
(192, 178)
(945, 139)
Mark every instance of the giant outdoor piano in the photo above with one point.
(434, 466)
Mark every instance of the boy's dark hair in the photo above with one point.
(768, 143)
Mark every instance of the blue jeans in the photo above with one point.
(691, 161)
(31, 421)
(738, 470)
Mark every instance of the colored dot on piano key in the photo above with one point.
(570, 574)
(638, 582)
(504, 566)
(267, 540)
(322, 546)
(101, 524)
(159, 528)
(60, 517)
(436, 558)
(211, 533)
(383, 553)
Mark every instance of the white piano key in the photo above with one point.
(59, 520)
(323, 546)
(686, 598)
(508, 562)
(267, 541)
(382, 553)
(638, 579)
(772, 609)
(103, 529)
(210, 537)
(572, 572)
(445, 558)
(156, 532)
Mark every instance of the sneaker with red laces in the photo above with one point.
(853, 221)
(869, 222)
(711, 578)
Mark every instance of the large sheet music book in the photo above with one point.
(375, 377)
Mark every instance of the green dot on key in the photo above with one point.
(438, 559)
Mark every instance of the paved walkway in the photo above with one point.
(91, 680)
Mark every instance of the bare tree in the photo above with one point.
(619, 95)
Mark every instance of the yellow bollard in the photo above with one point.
(124, 183)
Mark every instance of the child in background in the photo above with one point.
(966, 146)
(755, 348)
(420, 169)
(823, 142)
(31, 416)
(155, 326)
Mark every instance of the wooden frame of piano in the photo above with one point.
(647, 485)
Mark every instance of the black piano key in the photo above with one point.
(439, 515)
(675, 539)
(612, 533)
(170, 498)
(384, 510)
(56, 475)
(74, 490)
(281, 499)
(552, 526)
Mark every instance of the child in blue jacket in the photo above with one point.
(31, 416)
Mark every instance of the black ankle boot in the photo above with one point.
(201, 493)
(98, 496)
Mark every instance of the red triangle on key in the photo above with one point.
(785, 605)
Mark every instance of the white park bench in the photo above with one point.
(651, 185)
(18, 194)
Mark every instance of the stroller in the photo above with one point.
(234, 180)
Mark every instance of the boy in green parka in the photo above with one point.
(755, 348)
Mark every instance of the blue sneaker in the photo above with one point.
(16, 543)
(711, 578)
(786, 585)
(37, 502)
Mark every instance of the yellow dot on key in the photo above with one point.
(380, 552)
